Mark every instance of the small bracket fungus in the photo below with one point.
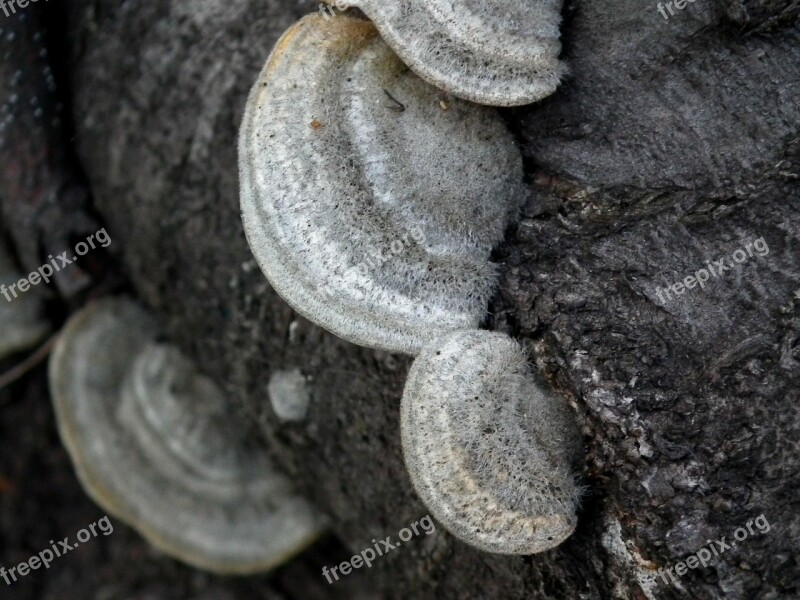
(501, 53)
(491, 450)
(153, 443)
(21, 321)
(289, 395)
(370, 199)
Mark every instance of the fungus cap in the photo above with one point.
(491, 450)
(370, 199)
(501, 53)
(154, 444)
(21, 321)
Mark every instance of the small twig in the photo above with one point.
(29, 363)
(400, 106)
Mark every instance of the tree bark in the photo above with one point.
(673, 143)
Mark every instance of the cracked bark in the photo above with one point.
(671, 144)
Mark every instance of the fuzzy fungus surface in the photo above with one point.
(370, 199)
(501, 53)
(154, 444)
(490, 448)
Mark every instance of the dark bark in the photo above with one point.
(671, 144)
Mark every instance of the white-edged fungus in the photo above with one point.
(153, 443)
(490, 448)
(370, 199)
(289, 395)
(21, 322)
(501, 53)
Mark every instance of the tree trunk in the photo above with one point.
(673, 143)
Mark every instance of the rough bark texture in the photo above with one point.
(671, 144)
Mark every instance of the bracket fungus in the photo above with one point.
(21, 321)
(370, 199)
(491, 450)
(501, 53)
(153, 444)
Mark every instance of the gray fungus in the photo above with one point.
(372, 193)
(370, 199)
(491, 449)
(153, 443)
(501, 53)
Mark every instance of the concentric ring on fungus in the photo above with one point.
(370, 199)
(490, 448)
(154, 444)
(501, 53)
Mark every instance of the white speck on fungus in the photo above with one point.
(289, 395)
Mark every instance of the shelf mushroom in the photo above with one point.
(500, 53)
(372, 200)
(154, 444)
(22, 325)
(491, 449)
